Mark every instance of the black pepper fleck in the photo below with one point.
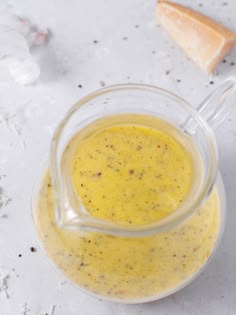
(33, 249)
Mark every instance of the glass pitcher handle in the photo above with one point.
(217, 105)
(220, 103)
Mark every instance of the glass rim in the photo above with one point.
(90, 223)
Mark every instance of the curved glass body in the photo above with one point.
(145, 262)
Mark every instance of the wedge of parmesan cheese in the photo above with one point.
(204, 40)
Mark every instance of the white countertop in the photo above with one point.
(130, 48)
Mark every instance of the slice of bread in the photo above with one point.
(204, 40)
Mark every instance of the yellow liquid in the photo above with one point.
(130, 174)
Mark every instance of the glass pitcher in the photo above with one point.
(145, 262)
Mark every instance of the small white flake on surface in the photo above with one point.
(53, 309)
(4, 201)
(4, 285)
(24, 309)
(62, 283)
(14, 121)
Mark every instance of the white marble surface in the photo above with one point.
(130, 48)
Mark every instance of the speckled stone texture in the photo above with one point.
(93, 44)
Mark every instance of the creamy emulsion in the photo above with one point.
(130, 174)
